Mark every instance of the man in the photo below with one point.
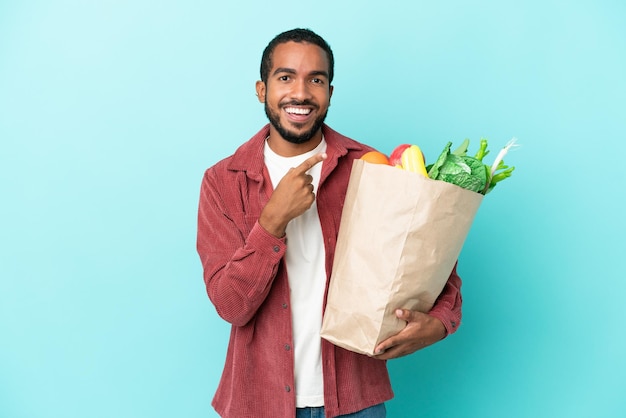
(267, 227)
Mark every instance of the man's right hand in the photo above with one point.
(291, 198)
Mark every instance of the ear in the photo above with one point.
(330, 93)
(260, 91)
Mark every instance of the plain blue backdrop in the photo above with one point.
(110, 111)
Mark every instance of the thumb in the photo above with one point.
(407, 315)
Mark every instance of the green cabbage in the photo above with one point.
(468, 172)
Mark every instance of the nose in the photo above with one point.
(301, 90)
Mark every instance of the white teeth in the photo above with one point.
(297, 110)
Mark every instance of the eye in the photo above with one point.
(284, 78)
(317, 81)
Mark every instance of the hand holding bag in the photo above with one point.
(399, 238)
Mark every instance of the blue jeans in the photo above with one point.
(376, 411)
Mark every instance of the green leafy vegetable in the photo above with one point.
(462, 149)
(482, 151)
(468, 172)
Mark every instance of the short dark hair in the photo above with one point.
(295, 35)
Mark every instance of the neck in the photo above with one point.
(285, 148)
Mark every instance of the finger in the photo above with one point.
(391, 342)
(409, 315)
(404, 314)
(383, 347)
(388, 354)
(310, 162)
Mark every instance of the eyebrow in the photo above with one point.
(292, 71)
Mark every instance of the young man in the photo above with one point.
(267, 227)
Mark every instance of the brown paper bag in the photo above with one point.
(399, 238)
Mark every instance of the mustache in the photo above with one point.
(299, 103)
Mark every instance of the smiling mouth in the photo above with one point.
(297, 111)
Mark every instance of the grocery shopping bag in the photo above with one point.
(399, 239)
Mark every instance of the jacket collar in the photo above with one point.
(249, 156)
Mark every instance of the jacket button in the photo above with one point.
(287, 388)
(276, 248)
(285, 306)
(287, 347)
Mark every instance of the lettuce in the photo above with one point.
(468, 172)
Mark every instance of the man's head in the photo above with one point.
(295, 86)
(296, 35)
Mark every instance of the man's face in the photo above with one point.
(297, 92)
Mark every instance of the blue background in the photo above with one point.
(110, 111)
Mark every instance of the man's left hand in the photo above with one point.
(421, 331)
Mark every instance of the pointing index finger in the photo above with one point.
(310, 162)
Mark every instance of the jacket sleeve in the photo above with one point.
(447, 307)
(240, 259)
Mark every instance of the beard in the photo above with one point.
(293, 137)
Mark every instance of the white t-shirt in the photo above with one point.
(306, 269)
